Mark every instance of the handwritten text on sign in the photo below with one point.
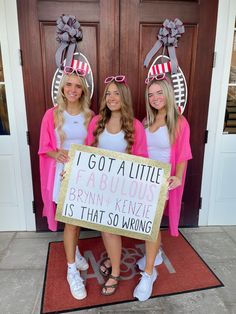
(113, 192)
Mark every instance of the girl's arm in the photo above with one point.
(60, 155)
(175, 181)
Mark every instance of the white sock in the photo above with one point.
(77, 252)
(71, 268)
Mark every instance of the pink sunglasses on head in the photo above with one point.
(69, 70)
(158, 77)
(118, 79)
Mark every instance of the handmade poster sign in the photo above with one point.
(113, 192)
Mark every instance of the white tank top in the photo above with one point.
(76, 133)
(110, 141)
(158, 144)
(74, 129)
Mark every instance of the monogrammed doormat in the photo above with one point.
(182, 270)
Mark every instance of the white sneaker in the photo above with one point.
(143, 290)
(77, 287)
(142, 261)
(81, 263)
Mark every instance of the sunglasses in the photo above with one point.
(118, 79)
(158, 77)
(69, 70)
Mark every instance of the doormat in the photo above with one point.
(182, 270)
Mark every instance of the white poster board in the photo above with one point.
(113, 192)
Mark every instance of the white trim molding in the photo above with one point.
(216, 114)
(16, 106)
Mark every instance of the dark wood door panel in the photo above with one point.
(154, 11)
(84, 10)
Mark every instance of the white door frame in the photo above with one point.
(216, 114)
(10, 47)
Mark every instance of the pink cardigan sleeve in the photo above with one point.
(140, 143)
(92, 126)
(47, 143)
(180, 151)
(183, 149)
(47, 140)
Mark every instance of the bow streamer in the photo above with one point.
(167, 37)
(69, 33)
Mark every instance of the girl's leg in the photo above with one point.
(113, 245)
(105, 267)
(80, 261)
(70, 241)
(77, 287)
(77, 234)
(151, 252)
(143, 290)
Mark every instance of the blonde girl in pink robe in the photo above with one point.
(116, 129)
(163, 116)
(62, 125)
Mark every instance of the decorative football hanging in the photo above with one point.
(168, 38)
(79, 62)
(69, 33)
(162, 64)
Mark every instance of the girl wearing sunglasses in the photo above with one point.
(61, 126)
(116, 129)
(168, 136)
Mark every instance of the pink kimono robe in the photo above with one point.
(47, 167)
(180, 151)
(139, 147)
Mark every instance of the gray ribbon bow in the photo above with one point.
(168, 37)
(69, 33)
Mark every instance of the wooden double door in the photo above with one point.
(117, 34)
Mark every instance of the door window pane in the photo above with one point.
(230, 113)
(4, 121)
(1, 67)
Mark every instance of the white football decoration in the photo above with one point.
(83, 64)
(162, 64)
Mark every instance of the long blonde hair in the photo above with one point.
(84, 103)
(172, 113)
(127, 115)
